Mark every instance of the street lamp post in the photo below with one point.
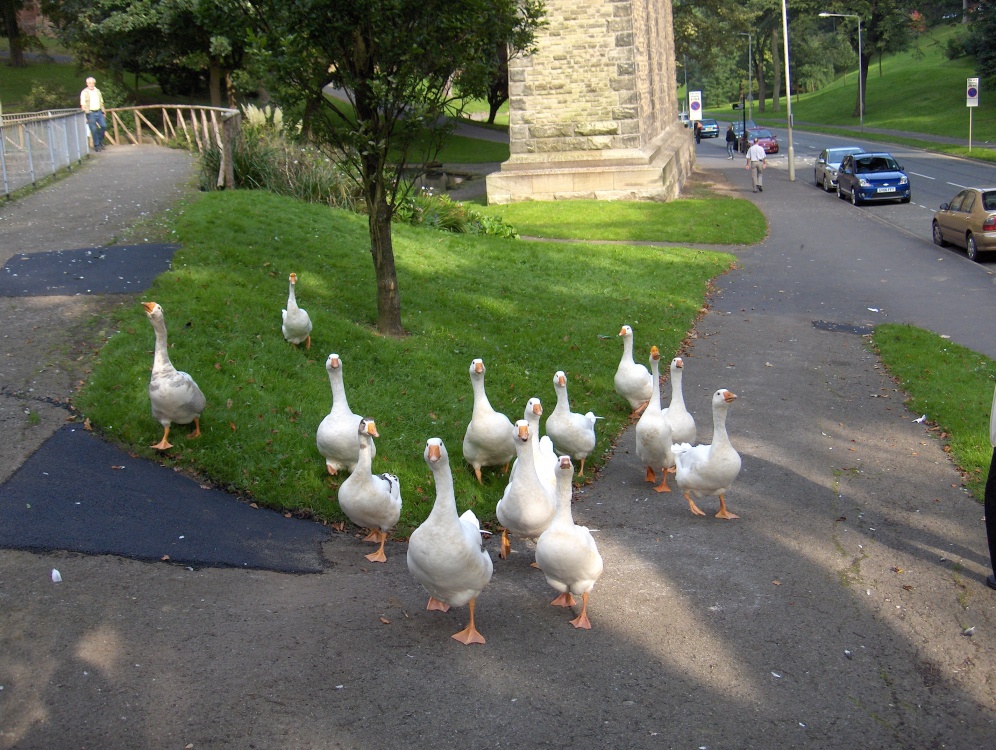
(861, 84)
(788, 91)
(750, 71)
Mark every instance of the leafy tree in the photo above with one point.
(9, 28)
(394, 65)
(174, 40)
(982, 26)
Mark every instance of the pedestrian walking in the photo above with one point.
(990, 499)
(92, 103)
(698, 132)
(731, 141)
(756, 162)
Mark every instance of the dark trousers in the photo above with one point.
(990, 504)
(98, 126)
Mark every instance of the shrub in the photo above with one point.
(41, 98)
(425, 208)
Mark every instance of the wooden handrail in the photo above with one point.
(210, 125)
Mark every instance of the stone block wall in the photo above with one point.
(593, 111)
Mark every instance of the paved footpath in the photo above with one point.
(845, 608)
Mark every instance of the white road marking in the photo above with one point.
(925, 176)
(955, 184)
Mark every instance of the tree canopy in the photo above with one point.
(373, 81)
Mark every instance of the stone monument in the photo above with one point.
(594, 113)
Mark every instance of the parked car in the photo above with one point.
(738, 127)
(872, 177)
(767, 140)
(969, 221)
(710, 128)
(683, 118)
(827, 164)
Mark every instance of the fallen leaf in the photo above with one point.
(117, 467)
(232, 425)
(777, 582)
(898, 570)
(86, 425)
(385, 621)
(228, 404)
(164, 558)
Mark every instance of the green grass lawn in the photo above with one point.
(16, 83)
(527, 309)
(708, 221)
(952, 385)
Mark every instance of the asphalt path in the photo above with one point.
(935, 178)
(875, 263)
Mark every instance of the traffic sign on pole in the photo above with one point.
(972, 93)
(694, 105)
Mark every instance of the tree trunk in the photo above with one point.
(215, 74)
(498, 90)
(762, 84)
(382, 250)
(9, 10)
(776, 73)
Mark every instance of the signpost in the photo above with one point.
(694, 105)
(971, 101)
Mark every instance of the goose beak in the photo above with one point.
(434, 454)
(679, 363)
(562, 380)
(538, 409)
(565, 462)
(729, 396)
(149, 306)
(622, 331)
(523, 432)
(293, 278)
(478, 366)
(372, 429)
(655, 353)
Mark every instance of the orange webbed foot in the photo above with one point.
(564, 600)
(437, 606)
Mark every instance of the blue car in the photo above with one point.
(710, 128)
(872, 177)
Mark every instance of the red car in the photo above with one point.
(767, 140)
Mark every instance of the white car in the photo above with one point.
(827, 164)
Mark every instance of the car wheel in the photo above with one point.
(816, 179)
(827, 185)
(938, 237)
(972, 249)
(906, 199)
(855, 200)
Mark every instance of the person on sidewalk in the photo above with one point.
(92, 103)
(756, 162)
(731, 141)
(990, 499)
(698, 132)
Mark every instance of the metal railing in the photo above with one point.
(38, 144)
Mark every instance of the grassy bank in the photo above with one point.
(526, 308)
(951, 385)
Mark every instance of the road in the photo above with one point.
(935, 178)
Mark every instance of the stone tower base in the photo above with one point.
(655, 173)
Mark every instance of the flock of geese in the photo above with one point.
(446, 553)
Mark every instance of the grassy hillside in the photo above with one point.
(919, 92)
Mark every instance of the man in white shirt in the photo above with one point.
(756, 162)
(92, 103)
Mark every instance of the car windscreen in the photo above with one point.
(836, 155)
(875, 164)
(760, 134)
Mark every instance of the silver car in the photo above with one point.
(827, 164)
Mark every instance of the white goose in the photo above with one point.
(174, 395)
(337, 436)
(706, 470)
(682, 423)
(572, 433)
(632, 380)
(296, 325)
(527, 506)
(566, 553)
(445, 553)
(371, 501)
(653, 433)
(544, 457)
(489, 440)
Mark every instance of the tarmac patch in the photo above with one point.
(826, 325)
(118, 269)
(80, 494)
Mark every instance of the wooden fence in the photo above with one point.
(201, 127)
